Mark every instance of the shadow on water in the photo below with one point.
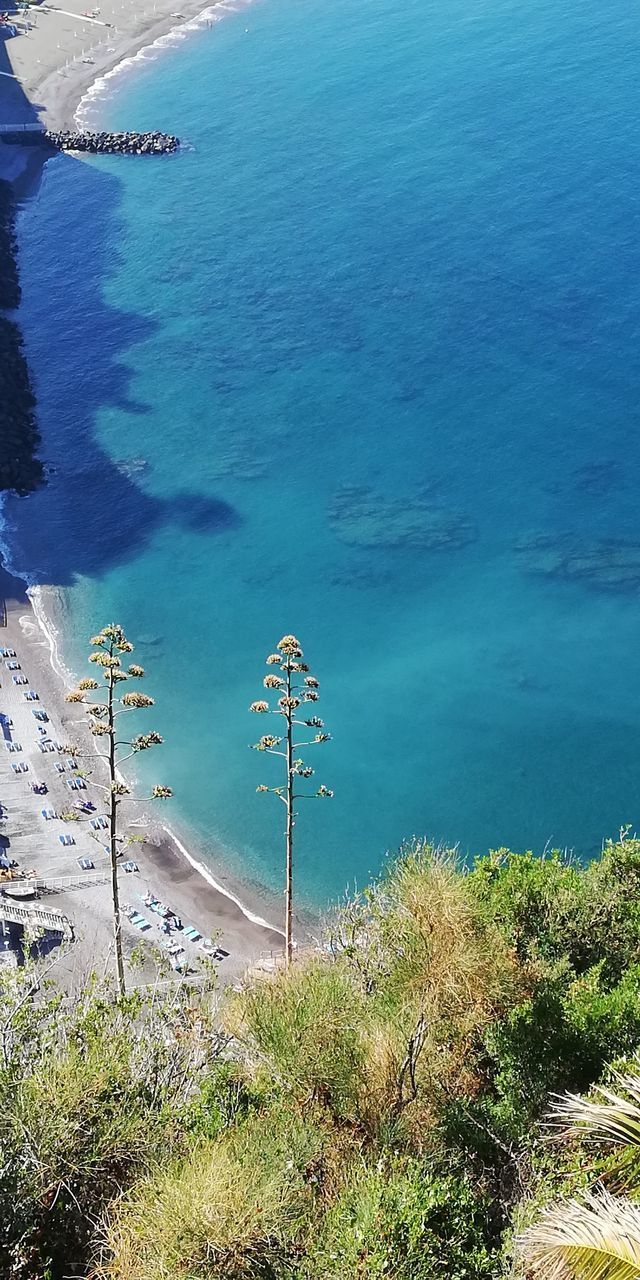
(91, 513)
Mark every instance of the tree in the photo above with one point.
(108, 647)
(595, 1236)
(296, 688)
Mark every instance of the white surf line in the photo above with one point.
(9, 75)
(203, 870)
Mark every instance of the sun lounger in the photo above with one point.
(192, 933)
(86, 864)
(31, 696)
(19, 679)
(66, 839)
(130, 865)
(60, 766)
(140, 922)
(8, 653)
(12, 666)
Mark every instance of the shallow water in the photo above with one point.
(400, 254)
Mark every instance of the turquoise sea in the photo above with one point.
(362, 362)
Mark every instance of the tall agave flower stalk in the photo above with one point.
(109, 647)
(295, 687)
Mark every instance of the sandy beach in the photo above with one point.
(46, 69)
(33, 841)
(59, 53)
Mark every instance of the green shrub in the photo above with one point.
(397, 1219)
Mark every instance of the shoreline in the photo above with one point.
(166, 866)
(37, 598)
(175, 870)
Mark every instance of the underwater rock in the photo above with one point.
(365, 577)
(363, 518)
(607, 564)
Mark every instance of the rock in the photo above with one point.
(606, 564)
(363, 518)
(113, 143)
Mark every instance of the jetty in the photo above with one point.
(130, 143)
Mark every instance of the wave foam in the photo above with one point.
(102, 86)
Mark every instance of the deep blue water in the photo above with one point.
(401, 254)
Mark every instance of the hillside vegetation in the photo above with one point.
(374, 1112)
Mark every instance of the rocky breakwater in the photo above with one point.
(124, 144)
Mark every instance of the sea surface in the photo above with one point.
(362, 362)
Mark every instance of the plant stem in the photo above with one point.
(117, 923)
(288, 943)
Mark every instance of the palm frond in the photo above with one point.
(608, 1117)
(594, 1238)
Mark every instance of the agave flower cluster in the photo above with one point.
(295, 687)
(109, 647)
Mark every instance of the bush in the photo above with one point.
(400, 1220)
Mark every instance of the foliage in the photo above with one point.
(397, 1218)
(373, 1110)
(596, 1234)
(92, 1093)
(234, 1210)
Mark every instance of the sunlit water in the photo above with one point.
(333, 369)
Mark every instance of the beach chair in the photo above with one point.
(137, 920)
